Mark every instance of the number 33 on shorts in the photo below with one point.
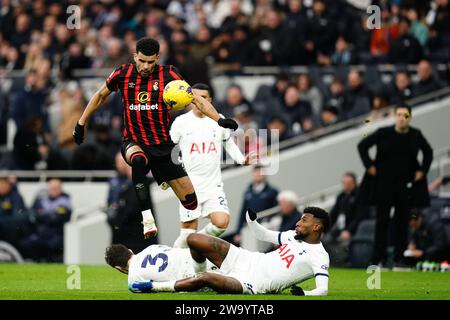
(223, 202)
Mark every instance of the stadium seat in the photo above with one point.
(360, 250)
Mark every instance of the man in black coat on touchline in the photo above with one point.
(398, 178)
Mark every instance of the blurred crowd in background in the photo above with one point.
(196, 36)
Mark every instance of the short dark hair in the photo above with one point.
(403, 105)
(117, 255)
(320, 214)
(147, 46)
(202, 86)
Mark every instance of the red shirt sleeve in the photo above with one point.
(112, 83)
(174, 73)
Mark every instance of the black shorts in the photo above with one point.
(159, 160)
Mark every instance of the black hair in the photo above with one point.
(403, 105)
(147, 46)
(117, 255)
(320, 214)
(202, 86)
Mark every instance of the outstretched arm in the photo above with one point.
(208, 109)
(259, 231)
(320, 290)
(96, 101)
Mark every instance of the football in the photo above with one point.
(177, 94)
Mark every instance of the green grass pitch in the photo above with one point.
(49, 281)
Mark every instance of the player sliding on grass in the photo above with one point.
(300, 256)
(146, 140)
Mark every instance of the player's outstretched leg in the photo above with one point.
(185, 192)
(217, 282)
(138, 161)
(204, 247)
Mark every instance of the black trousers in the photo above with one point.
(398, 198)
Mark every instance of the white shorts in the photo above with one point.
(239, 264)
(217, 202)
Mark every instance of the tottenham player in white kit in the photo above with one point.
(157, 267)
(200, 140)
(300, 256)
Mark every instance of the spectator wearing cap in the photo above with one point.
(427, 81)
(405, 49)
(427, 239)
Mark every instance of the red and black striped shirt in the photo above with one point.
(145, 116)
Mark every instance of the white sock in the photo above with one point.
(164, 286)
(199, 266)
(181, 240)
(212, 230)
(147, 215)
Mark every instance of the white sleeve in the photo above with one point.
(175, 130)
(262, 233)
(320, 265)
(321, 287)
(233, 150)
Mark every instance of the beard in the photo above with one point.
(300, 236)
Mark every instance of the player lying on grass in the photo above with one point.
(300, 256)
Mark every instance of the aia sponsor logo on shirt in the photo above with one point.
(286, 254)
(203, 148)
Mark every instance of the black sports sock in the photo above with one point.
(140, 181)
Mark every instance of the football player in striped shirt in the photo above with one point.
(146, 118)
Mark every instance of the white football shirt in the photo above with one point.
(294, 261)
(160, 263)
(200, 141)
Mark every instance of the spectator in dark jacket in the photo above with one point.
(402, 88)
(299, 112)
(344, 215)
(13, 213)
(357, 95)
(260, 195)
(427, 82)
(29, 102)
(406, 48)
(427, 238)
(50, 212)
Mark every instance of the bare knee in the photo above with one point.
(193, 240)
(220, 219)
